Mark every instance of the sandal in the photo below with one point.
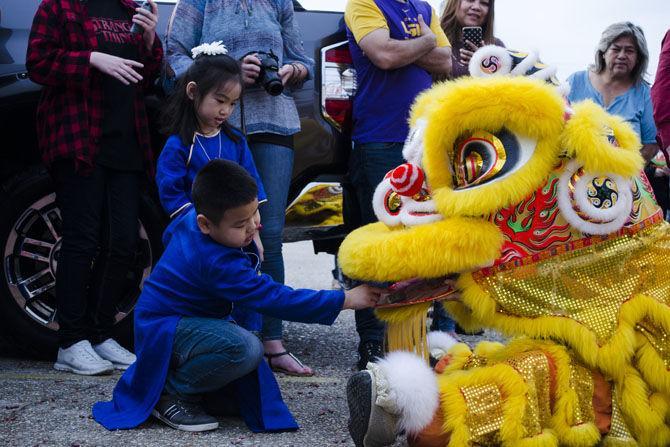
(283, 370)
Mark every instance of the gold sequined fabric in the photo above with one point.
(534, 368)
(619, 432)
(484, 410)
(588, 284)
(581, 381)
(475, 361)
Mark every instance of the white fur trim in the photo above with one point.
(544, 74)
(410, 206)
(564, 89)
(487, 51)
(412, 151)
(439, 343)
(526, 64)
(379, 207)
(410, 389)
(565, 205)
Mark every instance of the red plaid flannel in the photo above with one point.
(70, 111)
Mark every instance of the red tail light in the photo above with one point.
(338, 85)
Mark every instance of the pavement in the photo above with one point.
(43, 407)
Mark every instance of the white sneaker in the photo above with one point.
(80, 358)
(120, 357)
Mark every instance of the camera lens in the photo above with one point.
(274, 87)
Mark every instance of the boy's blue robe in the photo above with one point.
(196, 277)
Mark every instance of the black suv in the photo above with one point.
(30, 219)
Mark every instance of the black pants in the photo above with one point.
(100, 230)
(661, 187)
(367, 167)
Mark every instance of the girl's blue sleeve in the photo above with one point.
(184, 33)
(294, 51)
(647, 125)
(173, 188)
(246, 160)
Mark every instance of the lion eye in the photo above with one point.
(479, 157)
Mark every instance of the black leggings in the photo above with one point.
(100, 230)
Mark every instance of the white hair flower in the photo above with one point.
(210, 49)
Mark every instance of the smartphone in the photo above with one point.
(473, 34)
(137, 29)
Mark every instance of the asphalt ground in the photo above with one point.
(43, 407)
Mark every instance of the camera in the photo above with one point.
(269, 78)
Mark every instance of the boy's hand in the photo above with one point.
(362, 297)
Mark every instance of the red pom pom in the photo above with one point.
(407, 179)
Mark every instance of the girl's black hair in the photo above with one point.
(208, 72)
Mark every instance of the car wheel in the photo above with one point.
(30, 240)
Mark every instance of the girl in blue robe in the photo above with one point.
(196, 118)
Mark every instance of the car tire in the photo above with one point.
(27, 276)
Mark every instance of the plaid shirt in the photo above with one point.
(70, 110)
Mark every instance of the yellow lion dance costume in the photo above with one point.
(542, 212)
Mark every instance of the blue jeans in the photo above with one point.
(441, 319)
(207, 355)
(275, 166)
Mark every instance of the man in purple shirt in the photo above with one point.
(396, 47)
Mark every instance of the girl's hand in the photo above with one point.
(148, 21)
(259, 246)
(251, 68)
(116, 67)
(468, 50)
(292, 73)
(257, 236)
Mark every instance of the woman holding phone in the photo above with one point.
(468, 25)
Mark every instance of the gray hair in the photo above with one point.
(612, 33)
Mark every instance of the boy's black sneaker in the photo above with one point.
(370, 351)
(183, 415)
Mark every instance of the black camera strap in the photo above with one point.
(243, 123)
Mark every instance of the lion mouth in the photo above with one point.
(419, 290)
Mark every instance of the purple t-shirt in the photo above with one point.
(384, 97)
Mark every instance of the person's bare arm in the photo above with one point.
(649, 151)
(437, 61)
(389, 54)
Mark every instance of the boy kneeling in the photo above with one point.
(189, 350)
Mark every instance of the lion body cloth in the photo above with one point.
(541, 211)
